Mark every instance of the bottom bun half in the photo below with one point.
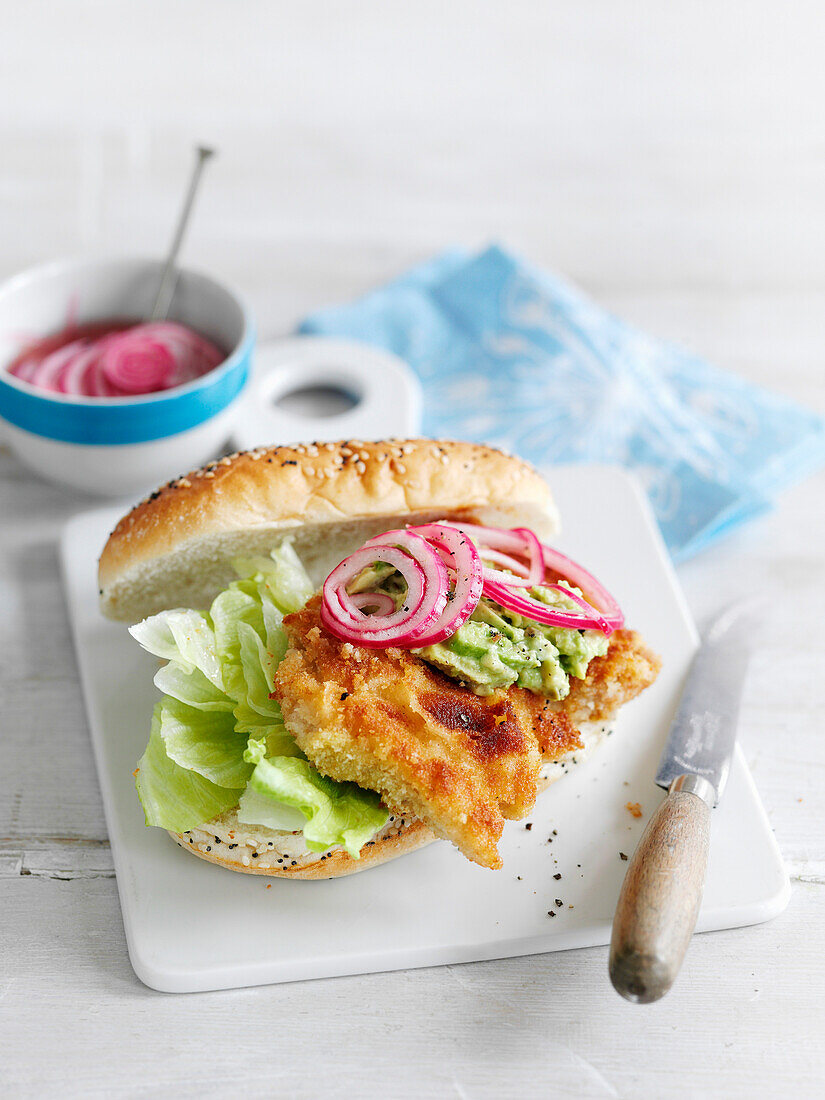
(254, 850)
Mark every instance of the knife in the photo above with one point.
(660, 897)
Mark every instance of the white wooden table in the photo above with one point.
(670, 161)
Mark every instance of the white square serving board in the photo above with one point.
(193, 926)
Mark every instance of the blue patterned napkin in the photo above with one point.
(518, 358)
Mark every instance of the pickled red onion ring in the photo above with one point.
(518, 568)
(519, 572)
(427, 591)
(540, 612)
(586, 607)
(339, 601)
(383, 603)
(119, 361)
(80, 376)
(134, 363)
(595, 592)
(526, 576)
(495, 540)
(534, 553)
(433, 557)
(47, 373)
(505, 547)
(469, 580)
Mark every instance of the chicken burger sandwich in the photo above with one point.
(366, 647)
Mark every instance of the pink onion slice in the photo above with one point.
(595, 592)
(539, 612)
(383, 603)
(335, 590)
(24, 369)
(516, 578)
(519, 568)
(434, 556)
(427, 591)
(468, 577)
(49, 371)
(497, 538)
(499, 546)
(96, 361)
(534, 554)
(135, 363)
(75, 377)
(602, 624)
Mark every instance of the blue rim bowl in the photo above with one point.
(39, 301)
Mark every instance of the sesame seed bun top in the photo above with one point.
(175, 548)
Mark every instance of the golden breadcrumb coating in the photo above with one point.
(459, 762)
(626, 669)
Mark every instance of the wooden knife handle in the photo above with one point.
(661, 893)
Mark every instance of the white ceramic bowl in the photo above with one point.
(119, 445)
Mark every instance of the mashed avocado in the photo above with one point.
(497, 648)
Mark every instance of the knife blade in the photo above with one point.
(703, 734)
(662, 891)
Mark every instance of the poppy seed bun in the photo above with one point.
(176, 547)
(212, 841)
(389, 844)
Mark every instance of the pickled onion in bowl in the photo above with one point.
(117, 359)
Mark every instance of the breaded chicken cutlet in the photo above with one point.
(461, 763)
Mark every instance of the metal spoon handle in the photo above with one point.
(169, 276)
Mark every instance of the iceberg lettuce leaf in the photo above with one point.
(258, 666)
(191, 687)
(174, 797)
(185, 637)
(217, 691)
(286, 579)
(205, 742)
(336, 813)
(257, 809)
